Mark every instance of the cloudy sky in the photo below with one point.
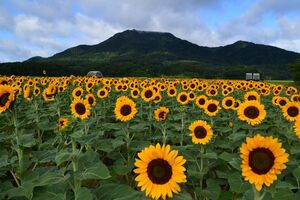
(44, 27)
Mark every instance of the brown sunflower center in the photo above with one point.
(282, 102)
(159, 171)
(183, 98)
(78, 93)
(201, 101)
(90, 100)
(293, 111)
(4, 99)
(212, 107)
(251, 97)
(261, 160)
(172, 91)
(135, 93)
(192, 95)
(200, 132)
(102, 93)
(229, 103)
(212, 92)
(61, 122)
(80, 108)
(148, 94)
(125, 110)
(162, 115)
(251, 112)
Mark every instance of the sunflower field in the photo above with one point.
(87, 138)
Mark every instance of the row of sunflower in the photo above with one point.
(111, 138)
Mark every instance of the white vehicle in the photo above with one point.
(97, 74)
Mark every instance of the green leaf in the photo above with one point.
(114, 191)
(296, 173)
(211, 155)
(25, 190)
(237, 184)
(213, 189)
(284, 194)
(235, 163)
(28, 140)
(48, 195)
(99, 171)
(91, 167)
(50, 178)
(183, 195)
(227, 156)
(84, 193)
(63, 156)
(3, 159)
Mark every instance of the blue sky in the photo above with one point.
(44, 27)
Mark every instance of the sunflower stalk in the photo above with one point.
(37, 120)
(164, 133)
(182, 125)
(150, 118)
(19, 149)
(77, 183)
(257, 194)
(128, 141)
(201, 166)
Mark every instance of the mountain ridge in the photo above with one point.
(150, 53)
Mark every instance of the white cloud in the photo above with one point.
(43, 27)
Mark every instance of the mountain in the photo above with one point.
(145, 53)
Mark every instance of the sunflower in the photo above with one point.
(77, 92)
(262, 159)
(275, 100)
(102, 93)
(183, 98)
(201, 100)
(252, 96)
(161, 113)
(211, 107)
(172, 92)
(135, 93)
(297, 127)
(90, 99)
(228, 102)
(7, 96)
(201, 132)
(80, 108)
(157, 98)
(28, 94)
(159, 170)
(48, 94)
(291, 111)
(211, 92)
(36, 91)
(63, 123)
(125, 109)
(282, 101)
(192, 95)
(252, 112)
(148, 94)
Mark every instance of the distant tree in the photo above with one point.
(295, 71)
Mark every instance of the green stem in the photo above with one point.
(257, 195)
(77, 183)
(164, 133)
(150, 118)
(182, 128)
(19, 149)
(15, 178)
(201, 166)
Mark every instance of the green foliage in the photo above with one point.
(295, 71)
